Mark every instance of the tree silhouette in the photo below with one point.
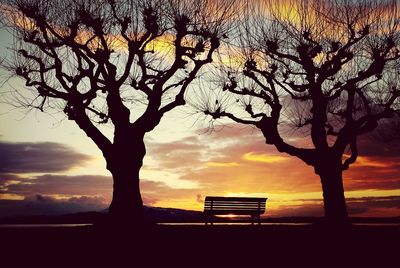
(329, 68)
(125, 63)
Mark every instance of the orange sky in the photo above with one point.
(230, 161)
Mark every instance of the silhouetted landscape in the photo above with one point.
(171, 215)
(154, 214)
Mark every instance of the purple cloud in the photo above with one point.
(29, 157)
(46, 205)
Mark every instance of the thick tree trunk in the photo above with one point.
(126, 205)
(124, 164)
(330, 173)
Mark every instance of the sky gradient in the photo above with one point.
(50, 165)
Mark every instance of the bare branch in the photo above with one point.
(353, 157)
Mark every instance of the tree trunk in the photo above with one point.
(124, 164)
(126, 205)
(330, 173)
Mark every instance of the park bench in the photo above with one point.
(218, 205)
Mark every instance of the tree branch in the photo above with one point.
(353, 157)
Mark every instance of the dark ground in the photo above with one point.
(202, 246)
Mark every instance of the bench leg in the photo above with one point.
(209, 219)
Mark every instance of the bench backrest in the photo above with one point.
(234, 205)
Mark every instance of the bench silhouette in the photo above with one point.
(218, 205)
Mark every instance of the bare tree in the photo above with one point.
(125, 63)
(329, 67)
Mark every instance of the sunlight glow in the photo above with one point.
(372, 193)
(363, 161)
(264, 158)
(222, 164)
(11, 197)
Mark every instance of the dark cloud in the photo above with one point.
(5, 178)
(380, 201)
(58, 185)
(374, 206)
(83, 185)
(377, 167)
(29, 157)
(46, 205)
(357, 211)
(372, 178)
(373, 147)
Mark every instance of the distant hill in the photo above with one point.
(152, 213)
(173, 215)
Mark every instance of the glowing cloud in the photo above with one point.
(222, 164)
(363, 161)
(264, 158)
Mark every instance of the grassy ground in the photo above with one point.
(202, 246)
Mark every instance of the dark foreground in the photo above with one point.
(201, 246)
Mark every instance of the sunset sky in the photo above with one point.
(48, 165)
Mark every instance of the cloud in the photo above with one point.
(236, 160)
(7, 178)
(377, 167)
(372, 177)
(356, 207)
(264, 158)
(83, 193)
(43, 157)
(222, 164)
(232, 160)
(63, 186)
(60, 185)
(370, 146)
(191, 143)
(158, 191)
(47, 205)
(366, 161)
(374, 206)
(175, 155)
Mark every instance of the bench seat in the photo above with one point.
(218, 205)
